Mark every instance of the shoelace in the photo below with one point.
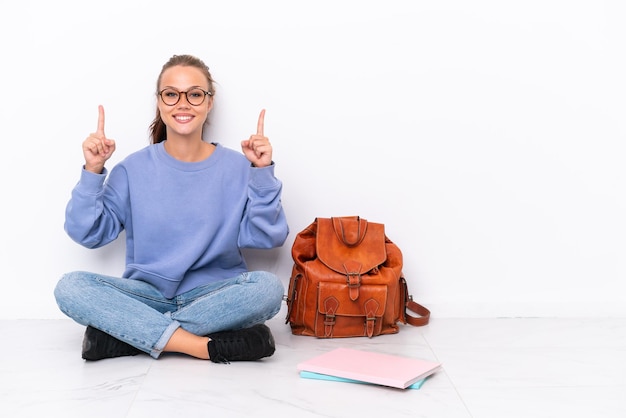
(229, 345)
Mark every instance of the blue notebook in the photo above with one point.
(320, 376)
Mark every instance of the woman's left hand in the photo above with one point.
(257, 148)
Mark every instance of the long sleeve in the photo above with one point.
(264, 224)
(88, 219)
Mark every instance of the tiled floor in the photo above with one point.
(501, 368)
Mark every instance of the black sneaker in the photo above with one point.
(246, 344)
(98, 345)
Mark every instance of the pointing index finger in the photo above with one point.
(260, 124)
(100, 120)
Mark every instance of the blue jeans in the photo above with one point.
(136, 313)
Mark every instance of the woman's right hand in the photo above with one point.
(97, 149)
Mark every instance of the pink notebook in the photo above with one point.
(368, 366)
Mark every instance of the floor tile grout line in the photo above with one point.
(458, 394)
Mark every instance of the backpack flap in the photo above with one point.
(350, 245)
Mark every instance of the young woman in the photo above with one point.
(188, 206)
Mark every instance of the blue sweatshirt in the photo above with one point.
(185, 222)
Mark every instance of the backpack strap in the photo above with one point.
(411, 305)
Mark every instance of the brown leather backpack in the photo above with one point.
(347, 281)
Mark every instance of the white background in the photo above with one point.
(488, 136)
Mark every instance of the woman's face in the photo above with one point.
(183, 118)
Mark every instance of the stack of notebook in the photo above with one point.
(357, 366)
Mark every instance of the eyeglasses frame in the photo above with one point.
(180, 93)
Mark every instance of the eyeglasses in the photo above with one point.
(195, 96)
